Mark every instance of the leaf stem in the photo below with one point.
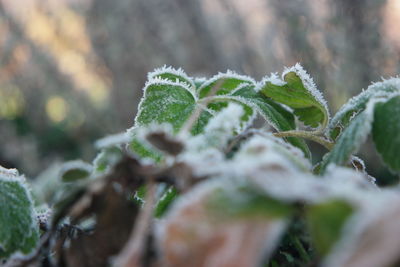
(202, 104)
(313, 136)
(300, 249)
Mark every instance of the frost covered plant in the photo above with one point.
(193, 183)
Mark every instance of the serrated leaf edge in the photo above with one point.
(373, 90)
(307, 81)
(227, 74)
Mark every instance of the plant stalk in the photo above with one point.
(307, 135)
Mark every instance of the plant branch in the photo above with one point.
(313, 136)
(133, 251)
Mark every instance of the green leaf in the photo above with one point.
(171, 74)
(247, 202)
(326, 221)
(201, 123)
(75, 170)
(297, 90)
(350, 140)
(107, 158)
(165, 201)
(358, 103)
(226, 82)
(18, 226)
(165, 102)
(248, 114)
(198, 82)
(258, 149)
(277, 116)
(144, 150)
(386, 131)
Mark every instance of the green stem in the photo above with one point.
(300, 248)
(313, 136)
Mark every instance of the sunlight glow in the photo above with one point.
(57, 109)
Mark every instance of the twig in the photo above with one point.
(306, 135)
(197, 112)
(132, 253)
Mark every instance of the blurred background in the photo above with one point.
(72, 71)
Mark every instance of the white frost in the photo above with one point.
(383, 89)
(306, 79)
(308, 83)
(228, 75)
(159, 81)
(8, 172)
(112, 140)
(75, 164)
(170, 70)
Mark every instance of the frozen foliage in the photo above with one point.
(112, 140)
(106, 159)
(75, 170)
(308, 82)
(228, 81)
(219, 129)
(219, 242)
(273, 78)
(353, 136)
(172, 74)
(165, 101)
(8, 172)
(205, 152)
(268, 151)
(209, 189)
(356, 104)
(19, 229)
(297, 90)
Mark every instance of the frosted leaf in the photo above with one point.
(204, 152)
(221, 128)
(112, 140)
(297, 90)
(75, 170)
(371, 238)
(204, 163)
(165, 201)
(165, 102)
(264, 152)
(281, 180)
(161, 137)
(198, 81)
(8, 172)
(226, 120)
(219, 103)
(385, 132)
(308, 82)
(157, 141)
(173, 75)
(351, 139)
(43, 214)
(358, 103)
(19, 231)
(46, 185)
(227, 82)
(193, 229)
(142, 132)
(326, 221)
(106, 159)
(276, 115)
